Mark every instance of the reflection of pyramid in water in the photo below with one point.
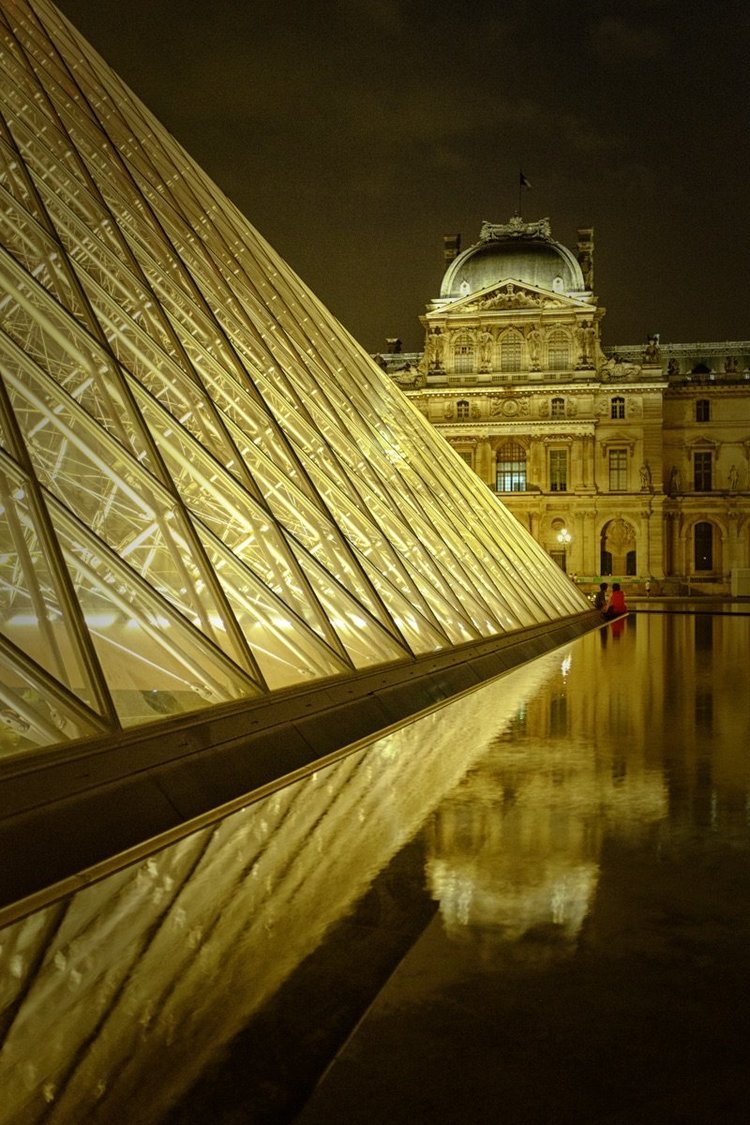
(208, 490)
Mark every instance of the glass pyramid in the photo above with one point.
(208, 491)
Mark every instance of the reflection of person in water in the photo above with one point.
(616, 606)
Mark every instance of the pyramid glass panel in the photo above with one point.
(209, 491)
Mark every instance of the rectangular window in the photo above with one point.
(703, 410)
(510, 354)
(702, 472)
(558, 470)
(511, 468)
(618, 470)
(463, 358)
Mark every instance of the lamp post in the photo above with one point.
(564, 538)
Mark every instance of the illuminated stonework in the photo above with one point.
(208, 491)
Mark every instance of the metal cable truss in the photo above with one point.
(209, 492)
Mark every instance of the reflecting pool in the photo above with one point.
(531, 904)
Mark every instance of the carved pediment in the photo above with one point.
(511, 295)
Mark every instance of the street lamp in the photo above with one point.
(564, 538)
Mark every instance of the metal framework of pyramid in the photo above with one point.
(208, 491)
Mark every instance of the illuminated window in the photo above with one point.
(558, 470)
(462, 408)
(617, 408)
(511, 468)
(703, 410)
(510, 353)
(702, 471)
(558, 352)
(703, 546)
(558, 407)
(463, 354)
(618, 470)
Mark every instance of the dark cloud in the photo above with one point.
(355, 133)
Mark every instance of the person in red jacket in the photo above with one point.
(616, 602)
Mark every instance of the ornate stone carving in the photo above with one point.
(434, 349)
(615, 368)
(620, 536)
(515, 228)
(509, 297)
(534, 339)
(410, 377)
(486, 345)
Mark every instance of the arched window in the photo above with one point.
(511, 468)
(617, 407)
(558, 408)
(462, 408)
(558, 352)
(703, 410)
(510, 352)
(703, 546)
(463, 354)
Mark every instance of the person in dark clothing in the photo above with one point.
(600, 597)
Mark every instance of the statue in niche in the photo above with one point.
(434, 350)
(486, 341)
(645, 472)
(534, 339)
(734, 479)
(674, 481)
(730, 364)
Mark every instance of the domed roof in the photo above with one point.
(516, 251)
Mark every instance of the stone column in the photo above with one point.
(484, 461)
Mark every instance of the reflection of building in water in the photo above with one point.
(515, 847)
(167, 961)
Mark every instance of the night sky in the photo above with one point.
(354, 134)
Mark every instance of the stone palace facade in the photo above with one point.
(632, 461)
